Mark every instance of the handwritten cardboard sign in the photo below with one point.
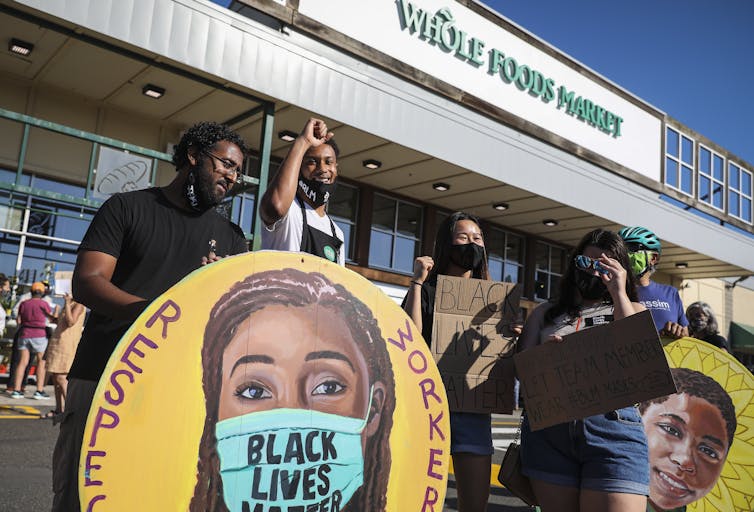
(594, 371)
(472, 342)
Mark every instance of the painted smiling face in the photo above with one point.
(688, 445)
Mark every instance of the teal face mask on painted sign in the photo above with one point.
(290, 458)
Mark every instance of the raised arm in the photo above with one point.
(92, 287)
(413, 301)
(281, 190)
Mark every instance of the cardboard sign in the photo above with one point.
(294, 385)
(594, 371)
(63, 282)
(472, 342)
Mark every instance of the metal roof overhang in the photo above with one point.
(420, 137)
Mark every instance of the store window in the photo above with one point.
(395, 235)
(739, 192)
(711, 186)
(679, 161)
(505, 253)
(343, 208)
(548, 271)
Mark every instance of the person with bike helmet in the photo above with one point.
(662, 300)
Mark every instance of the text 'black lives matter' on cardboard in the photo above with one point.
(472, 342)
(594, 371)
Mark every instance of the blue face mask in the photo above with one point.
(290, 457)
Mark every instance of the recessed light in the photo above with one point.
(550, 222)
(153, 91)
(681, 264)
(441, 187)
(287, 135)
(501, 207)
(372, 164)
(20, 47)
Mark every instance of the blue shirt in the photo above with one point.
(663, 302)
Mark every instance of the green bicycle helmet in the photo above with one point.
(641, 236)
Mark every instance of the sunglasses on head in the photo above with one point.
(587, 263)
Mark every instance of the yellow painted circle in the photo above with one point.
(734, 491)
(142, 438)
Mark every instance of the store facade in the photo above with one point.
(436, 107)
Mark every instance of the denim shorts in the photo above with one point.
(36, 345)
(606, 452)
(471, 433)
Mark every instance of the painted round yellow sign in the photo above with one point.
(701, 440)
(268, 382)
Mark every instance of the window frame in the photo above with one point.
(394, 234)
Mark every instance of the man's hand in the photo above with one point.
(674, 330)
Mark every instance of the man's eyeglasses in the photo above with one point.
(586, 263)
(230, 166)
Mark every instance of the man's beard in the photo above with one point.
(205, 192)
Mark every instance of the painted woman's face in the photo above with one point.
(688, 444)
(298, 358)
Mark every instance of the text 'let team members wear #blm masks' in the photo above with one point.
(270, 461)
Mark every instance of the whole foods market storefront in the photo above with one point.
(435, 109)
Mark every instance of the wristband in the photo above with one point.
(416, 283)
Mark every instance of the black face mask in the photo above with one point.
(315, 191)
(197, 194)
(591, 287)
(467, 256)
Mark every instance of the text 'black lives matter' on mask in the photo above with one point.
(317, 192)
(467, 256)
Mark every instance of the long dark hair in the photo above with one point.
(293, 288)
(443, 242)
(569, 299)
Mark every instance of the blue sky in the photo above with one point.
(693, 59)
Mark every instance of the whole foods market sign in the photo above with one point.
(440, 29)
(482, 58)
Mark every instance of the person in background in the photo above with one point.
(293, 210)
(600, 462)
(32, 316)
(459, 251)
(15, 354)
(139, 244)
(703, 325)
(62, 348)
(4, 299)
(661, 300)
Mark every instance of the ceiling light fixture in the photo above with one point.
(501, 207)
(681, 264)
(287, 135)
(550, 222)
(19, 47)
(153, 91)
(441, 187)
(371, 164)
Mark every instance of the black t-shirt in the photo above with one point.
(717, 340)
(156, 245)
(428, 307)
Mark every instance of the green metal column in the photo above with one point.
(265, 147)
